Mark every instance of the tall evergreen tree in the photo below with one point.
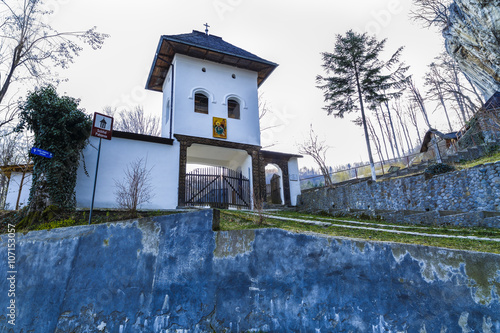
(354, 76)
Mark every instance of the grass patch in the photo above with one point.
(338, 227)
(490, 158)
(68, 218)
(231, 220)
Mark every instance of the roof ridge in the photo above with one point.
(208, 47)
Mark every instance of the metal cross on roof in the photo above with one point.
(206, 28)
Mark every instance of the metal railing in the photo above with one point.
(363, 171)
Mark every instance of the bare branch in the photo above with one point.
(317, 150)
(136, 121)
(31, 48)
(135, 189)
(431, 13)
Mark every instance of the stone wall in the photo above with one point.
(174, 274)
(473, 189)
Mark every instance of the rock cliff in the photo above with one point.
(473, 40)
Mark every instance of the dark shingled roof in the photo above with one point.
(208, 47)
(214, 43)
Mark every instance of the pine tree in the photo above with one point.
(354, 77)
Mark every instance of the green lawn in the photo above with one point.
(371, 230)
(494, 157)
(237, 220)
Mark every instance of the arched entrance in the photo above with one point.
(274, 185)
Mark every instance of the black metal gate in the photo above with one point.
(217, 187)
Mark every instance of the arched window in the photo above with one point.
(200, 103)
(233, 109)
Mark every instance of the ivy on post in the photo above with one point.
(60, 127)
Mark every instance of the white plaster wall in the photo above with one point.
(246, 169)
(293, 170)
(116, 155)
(216, 156)
(13, 190)
(219, 84)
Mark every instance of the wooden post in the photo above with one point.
(20, 190)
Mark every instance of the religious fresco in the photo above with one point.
(219, 128)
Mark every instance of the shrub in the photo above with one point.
(62, 128)
(438, 168)
(135, 189)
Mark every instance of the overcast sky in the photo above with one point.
(290, 33)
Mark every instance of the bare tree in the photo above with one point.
(14, 153)
(388, 132)
(317, 150)
(455, 87)
(418, 101)
(7, 157)
(431, 13)
(435, 90)
(402, 123)
(390, 91)
(30, 48)
(411, 112)
(375, 111)
(135, 189)
(134, 121)
(450, 87)
(375, 140)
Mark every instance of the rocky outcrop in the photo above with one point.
(473, 40)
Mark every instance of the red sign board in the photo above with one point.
(102, 127)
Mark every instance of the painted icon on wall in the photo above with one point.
(219, 128)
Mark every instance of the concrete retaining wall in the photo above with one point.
(174, 274)
(474, 189)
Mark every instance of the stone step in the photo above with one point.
(485, 219)
(449, 212)
(491, 222)
(487, 214)
(422, 218)
(462, 219)
(386, 215)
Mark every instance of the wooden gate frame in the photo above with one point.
(260, 158)
(252, 150)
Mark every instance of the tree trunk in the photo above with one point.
(383, 136)
(372, 165)
(392, 128)
(388, 131)
(445, 112)
(403, 126)
(376, 141)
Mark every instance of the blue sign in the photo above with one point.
(41, 152)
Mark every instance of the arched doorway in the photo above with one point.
(274, 185)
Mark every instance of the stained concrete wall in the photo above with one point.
(473, 189)
(174, 274)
